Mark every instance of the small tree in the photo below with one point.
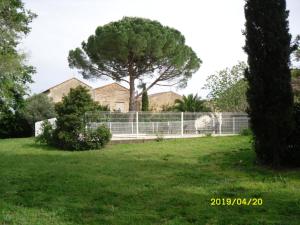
(136, 49)
(269, 95)
(227, 89)
(38, 107)
(145, 100)
(190, 103)
(70, 132)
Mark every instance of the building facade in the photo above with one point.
(160, 101)
(57, 92)
(114, 95)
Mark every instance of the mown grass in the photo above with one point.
(169, 183)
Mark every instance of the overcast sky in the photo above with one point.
(213, 28)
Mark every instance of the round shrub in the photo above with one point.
(94, 138)
(71, 132)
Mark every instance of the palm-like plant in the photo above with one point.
(190, 103)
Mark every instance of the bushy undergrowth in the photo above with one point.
(293, 154)
(86, 140)
(246, 132)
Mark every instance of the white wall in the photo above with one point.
(38, 126)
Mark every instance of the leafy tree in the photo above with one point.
(269, 95)
(296, 84)
(70, 132)
(136, 48)
(15, 20)
(38, 107)
(14, 73)
(227, 89)
(295, 70)
(145, 100)
(190, 103)
(297, 54)
(13, 123)
(296, 48)
(295, 73)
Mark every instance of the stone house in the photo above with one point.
(162, 100)
(114, 95)
(58, 91)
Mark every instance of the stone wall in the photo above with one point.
(115, 96)
(57, 92)
(159, 101)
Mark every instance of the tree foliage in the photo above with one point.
(14, 22)
(37, 108)
(270, 94)
(190, 103)
(71, 132)
(136, 48)
(14, 73)
(296, 84)
(296, 48)
(13, 123)
(227, 89)
(297, 54)
(145, 100)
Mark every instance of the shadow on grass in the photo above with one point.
(39, 146)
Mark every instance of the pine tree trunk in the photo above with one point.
(132, 94)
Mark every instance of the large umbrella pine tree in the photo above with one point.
(136, 49)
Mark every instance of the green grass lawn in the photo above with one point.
(169, 183)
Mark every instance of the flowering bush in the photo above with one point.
(93, 139)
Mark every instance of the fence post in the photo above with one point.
(220, 123)
(233, 125)
(137, 124)
(181, 123)
(110, 127)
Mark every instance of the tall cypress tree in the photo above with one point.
(145, 100)
(270, 94)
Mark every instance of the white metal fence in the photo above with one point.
(142, 124)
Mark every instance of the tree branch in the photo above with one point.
(155, 81)
(108, 74)
(168, 85)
